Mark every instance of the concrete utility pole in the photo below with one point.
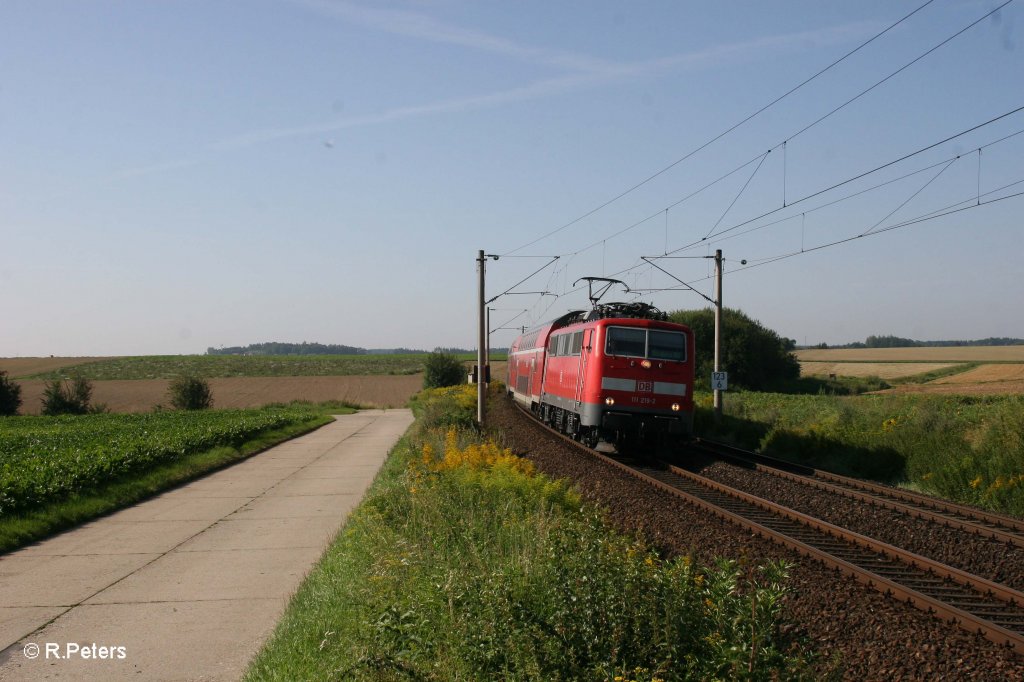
(718, 329)
(481, 394)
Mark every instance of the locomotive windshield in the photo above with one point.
(638, 342)
(662, 345)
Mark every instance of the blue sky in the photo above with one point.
(182, 174)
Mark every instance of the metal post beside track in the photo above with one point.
(480, 366)
(718, 330)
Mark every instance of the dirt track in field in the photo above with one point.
(143, 395)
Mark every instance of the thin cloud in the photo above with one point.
(424, 27)
(586, 73)
(714, 56)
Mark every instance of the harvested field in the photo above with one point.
(944, 354)
(20, 367)
(143, 395)
(883, 370)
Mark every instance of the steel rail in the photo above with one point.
(979, 522)
(939, 569)
(965, 619)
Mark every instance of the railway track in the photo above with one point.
(975, 521)
(974, 603)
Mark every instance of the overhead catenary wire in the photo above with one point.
(949, 209)
(783, 145)
(740, 193)
(786, 204)
(835, 186)
(725, 132)
(854, 178)
(867, 190)
(911, 197)
(523, 279)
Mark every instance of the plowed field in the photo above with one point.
(143, 395)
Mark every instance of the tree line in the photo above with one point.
(889, 341)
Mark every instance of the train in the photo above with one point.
(619, 373)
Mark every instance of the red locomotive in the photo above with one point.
(619, 373)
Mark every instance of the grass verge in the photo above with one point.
(20, 529)
(925, 377)
(463, 564)
(968, 449)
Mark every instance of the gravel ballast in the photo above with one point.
(855, 631)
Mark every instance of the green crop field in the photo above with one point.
(46, 459)
(210, 366)
(219, 366)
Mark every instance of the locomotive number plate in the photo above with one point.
(645, 386)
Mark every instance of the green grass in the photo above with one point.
(964, 448)
(461, 564)
(56, 472)
(925, 377)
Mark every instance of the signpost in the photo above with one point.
(720, 381)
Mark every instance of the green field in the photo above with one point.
(47, 459)
(215, 366)
(210, 366)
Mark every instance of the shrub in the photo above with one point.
(67, 396)
(10, 396)
(442, 369)
(190, 393)
(756, 357)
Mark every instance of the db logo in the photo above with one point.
(645, 386)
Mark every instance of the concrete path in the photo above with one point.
(188, 585)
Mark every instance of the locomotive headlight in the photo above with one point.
(675, 407)
(646, 364)
(609, 401)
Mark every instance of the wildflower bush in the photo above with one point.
(965, 448)
(464, 564)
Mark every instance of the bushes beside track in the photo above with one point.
(462, 563)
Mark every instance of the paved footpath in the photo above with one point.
(189, 584)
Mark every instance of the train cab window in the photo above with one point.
(629, 341)
(552, 345)
(563, 344)
(662, 345)
(577, 343)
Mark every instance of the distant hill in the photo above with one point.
(898, 342)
